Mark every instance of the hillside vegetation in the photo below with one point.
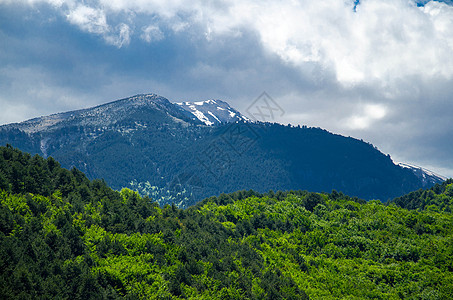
(63, 236)
(437, 198)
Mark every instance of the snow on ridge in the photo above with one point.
(245, 118)
(212, 111)
(211, 101)
(404, 165)
(214, 117)
(202, 117)
(425, 172)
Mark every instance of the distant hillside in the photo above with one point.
(439, 198)
(66, 237)
(167, 151)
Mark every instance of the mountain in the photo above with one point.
(168, 151)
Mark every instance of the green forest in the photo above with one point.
(66, 237)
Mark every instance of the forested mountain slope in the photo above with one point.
(162, 150)
(438, 198)
(63, 236)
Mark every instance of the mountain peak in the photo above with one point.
(208, 112)
(101, 115)
(145, 99)
(213, 112)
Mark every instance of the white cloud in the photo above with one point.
(381, 41)
(94, 20)
(151, 33)
(55, 3)
(89, 19)
(120, 37)
(368, 115)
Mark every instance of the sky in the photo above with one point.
(377, 70)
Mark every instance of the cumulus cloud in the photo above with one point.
(378, 40)
(380, 70)
(94, 20)
(89, 19)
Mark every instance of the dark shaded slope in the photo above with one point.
(323, 161)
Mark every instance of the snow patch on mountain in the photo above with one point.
(200, 116)
(213, 112)
(428, 177)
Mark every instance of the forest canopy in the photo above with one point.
(64, 236)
